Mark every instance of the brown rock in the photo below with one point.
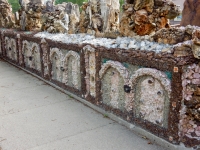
(197, 91)
(147, 16)
(191, 13)
(147, 4)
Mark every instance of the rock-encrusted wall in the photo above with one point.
(90, 64)
(152, 95)
(152, 81)
(146, 17)
(11, 48)
(114, 76)
(66, 67)
(144, 87)
(189, 124)
(31, 55)
(191, 13)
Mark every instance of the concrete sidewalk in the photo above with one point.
(36, 116)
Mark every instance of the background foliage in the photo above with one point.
(15, 3)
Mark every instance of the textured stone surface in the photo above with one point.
(114, 76)
(11, 48)
(90, 66)
(191, 13)
(113, 72)
(6, 15)
(190, 112)
(31, 53)
(100, 18)
(30, 15)
(152, 91)
(146, 17)
(61, 18)
(65, 67)
(134, 43)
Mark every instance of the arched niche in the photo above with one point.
(113, 78)
(56, 57)
(11, 49)
(152, 91)
(31, 52)
(71, 70)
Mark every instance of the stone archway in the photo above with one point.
(55, 57)
(71, 67)
(113, 76)
(152, 91)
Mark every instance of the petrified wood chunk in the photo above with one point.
(191, 13)
(147, 16)
(147, 4)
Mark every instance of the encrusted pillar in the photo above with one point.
(45, 58)
(90, 66)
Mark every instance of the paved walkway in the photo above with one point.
(36, 116)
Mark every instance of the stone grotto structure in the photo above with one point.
(6, 15)
(147, 73)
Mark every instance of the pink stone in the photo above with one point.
(188, 97)
(197, 69)
(190, 130)
(189, 92)
(184, 83)
(197, 131)
(188, 81)
(195, 81)
(185, 130)
(189, 74)
(193, 66)
(191, 122)
(196, 75)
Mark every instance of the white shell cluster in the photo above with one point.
(137, 42)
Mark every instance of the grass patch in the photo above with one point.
(105, 115)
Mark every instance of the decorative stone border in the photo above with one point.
(92, 70)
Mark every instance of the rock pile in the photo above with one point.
(30, 15)
(146, 17)
(174, 35)
(99, 17)
(186, 40)
(52, 22)
(6, 15)
(62, 18)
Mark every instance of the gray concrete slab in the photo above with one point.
(36, 116)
